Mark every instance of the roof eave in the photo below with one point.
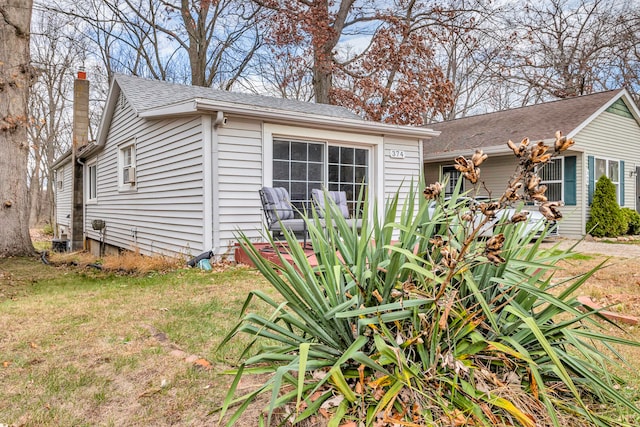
(66, 157)
(494, 150)
(275, 115)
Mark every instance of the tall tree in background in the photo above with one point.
(463, 48)
(563, 48)
(393, 78)
(54, 55)
(16, 76)
(204, 43)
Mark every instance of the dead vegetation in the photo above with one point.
(125, 262)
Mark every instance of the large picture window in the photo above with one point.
(300, 166)
(348, 169)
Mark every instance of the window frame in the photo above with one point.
(92, 181)
(556, 181)
(325, 164)
(122, 148)
(616, 183)
(375, 144)
(60, 179)
(451, 185)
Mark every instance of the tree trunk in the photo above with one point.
(16, 76)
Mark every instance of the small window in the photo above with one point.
(551, 175)
(451, 176)
(60, 179)
(127, 166)
(92, 186)
(610, 168)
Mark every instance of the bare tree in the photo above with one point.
(154, 38)
(464, 49)
(53, 55)
(562, 48)
(16, 76)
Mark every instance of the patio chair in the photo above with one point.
(339, 198)
(280, 214)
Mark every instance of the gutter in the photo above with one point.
(502, 149)
(287, 116)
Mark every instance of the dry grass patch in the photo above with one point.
(126, 262)
(135, 262)
(89, 347)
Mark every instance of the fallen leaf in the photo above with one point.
(203, 364)
(6, 363)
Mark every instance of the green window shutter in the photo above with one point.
(570, 181)
(591, 168)
(622, 175)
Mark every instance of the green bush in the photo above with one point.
(412, 321)
(607, 219)
(633, 220)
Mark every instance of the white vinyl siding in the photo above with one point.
(63, 197)
(240, 169)
(400, 172)
(164, 214)
(614, 137)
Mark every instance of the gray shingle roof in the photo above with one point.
(536, 122)
(145, 94)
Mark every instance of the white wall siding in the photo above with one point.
(63, 198)
(164, 213)
(399, 173)
(614, 137)
(240, 172)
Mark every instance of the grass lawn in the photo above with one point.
(85, 347)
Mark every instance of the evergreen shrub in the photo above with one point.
(607, 219)
(633, 220)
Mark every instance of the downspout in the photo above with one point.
(220, 121)
(211, 226)
(207, 185)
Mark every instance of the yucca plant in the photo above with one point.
(414, 321)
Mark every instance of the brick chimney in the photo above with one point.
(80, 139)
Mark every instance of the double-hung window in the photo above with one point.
(551, 175)
(610, 168)
(92, 184)
(300, 166)
(127, 166)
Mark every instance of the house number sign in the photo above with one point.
(397, 154)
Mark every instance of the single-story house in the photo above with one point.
(606, 130)
(176, 169)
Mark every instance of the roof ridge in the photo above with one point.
(541, 104)
(239, 95)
